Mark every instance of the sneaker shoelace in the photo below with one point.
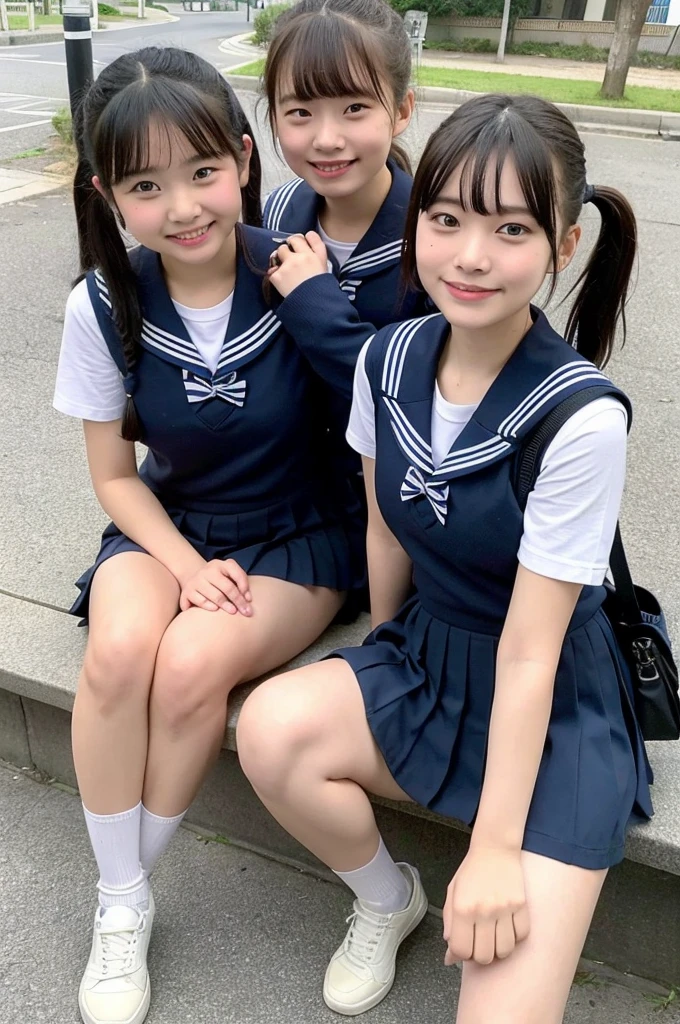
(366, 931)
(118, 950)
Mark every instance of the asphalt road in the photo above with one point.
(33, 78)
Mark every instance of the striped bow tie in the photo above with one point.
(437, 494)
(227, 388)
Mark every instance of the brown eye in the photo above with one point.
(446, 220)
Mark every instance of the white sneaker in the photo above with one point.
(362, 970)
(115, 988)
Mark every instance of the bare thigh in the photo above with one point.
(215, 650)
(133, 599)
(532, 985)
(319, 708)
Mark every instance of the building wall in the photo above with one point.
(655, 38)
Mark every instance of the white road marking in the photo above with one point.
(31, 96)
(29, 124)
(22, 60)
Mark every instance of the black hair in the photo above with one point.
(329, 48)
(549, 158)
(111, 130)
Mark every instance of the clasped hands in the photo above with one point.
(219, 583)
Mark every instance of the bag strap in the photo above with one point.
(624, 599)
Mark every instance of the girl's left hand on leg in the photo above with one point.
(485, 913)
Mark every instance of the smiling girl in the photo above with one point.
(337, 84)
(496, 694)
(230, 548)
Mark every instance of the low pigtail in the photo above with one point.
(101, 247)
(400, 156)
(251, 194)
(602, 288)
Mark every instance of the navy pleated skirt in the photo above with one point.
(428, 689)
(296, 540)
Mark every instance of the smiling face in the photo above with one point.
(338, 145)
(182, 205)
(482, 269)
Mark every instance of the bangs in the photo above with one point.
(323, 57)
(147, 110)
(483, 151)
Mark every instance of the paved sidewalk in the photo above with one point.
(548, 67)
(16, 184)
(541, 67)
(238, 939)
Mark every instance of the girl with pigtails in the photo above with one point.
(494, 692)
(234, 545)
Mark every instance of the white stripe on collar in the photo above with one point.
(419, 451)
(396, 353)
(279, 203)
(250, 340)
(416, 450)
(181, 349)
(557, 381)
(475, 455)
(384, 254)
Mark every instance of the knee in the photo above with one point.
(188, 683)
(118, 666)
(271, 736)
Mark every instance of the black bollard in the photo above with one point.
(78, 45)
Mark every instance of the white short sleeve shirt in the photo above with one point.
(571, 514)
(89, 384)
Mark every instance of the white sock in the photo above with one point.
(381, 884)
(155, 834)
(115, 842)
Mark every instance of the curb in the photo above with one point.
(236, 45)
(26, 38)
(33, 38)
(650, 124)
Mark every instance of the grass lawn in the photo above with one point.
(20, 21)
(559, 90)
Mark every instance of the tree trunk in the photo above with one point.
(4, 21)
(630, 19)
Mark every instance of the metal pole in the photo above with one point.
(500, 55)
(78, 46)
(672, 40)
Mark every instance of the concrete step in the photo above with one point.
(238, 939)
(637, 926)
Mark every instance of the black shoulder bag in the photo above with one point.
(636, 616)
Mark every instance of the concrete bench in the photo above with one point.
(637, 927)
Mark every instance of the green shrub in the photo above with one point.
(265, 22)
(61, 122)
(465, 8)
(463, 45)
(107, 11)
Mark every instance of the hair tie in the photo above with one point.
(130, 383)
(588, 194)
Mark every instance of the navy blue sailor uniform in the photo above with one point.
(428, 676)
(370, 295)
(237, 458)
